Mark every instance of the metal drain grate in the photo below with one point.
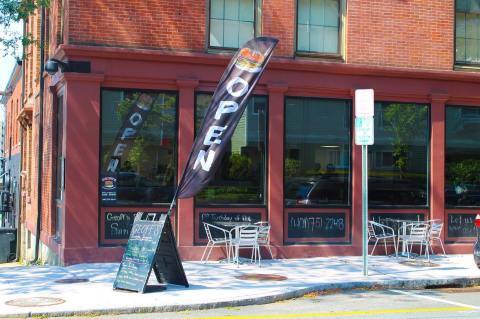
(262, 277)
(34, 302)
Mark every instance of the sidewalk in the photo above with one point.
(217, 284)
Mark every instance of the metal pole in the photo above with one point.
(365, 208)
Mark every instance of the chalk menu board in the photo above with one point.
(316, 225)
(461, 225)
(215, 217)
(150, 234)
(388, 219)
(118, 225)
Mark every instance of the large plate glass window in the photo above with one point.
(240, 178)
(462, 156)
(317, 152)
(147, 166)
(318, 26)
(398, 161)
(232, 22)
(467, 32)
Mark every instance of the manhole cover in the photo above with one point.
(71, 280)
(419, 263)
(34, 302)
(262, 277)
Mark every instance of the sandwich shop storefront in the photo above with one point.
(292, 160)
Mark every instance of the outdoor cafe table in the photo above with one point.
(403, 227)
(233, 226)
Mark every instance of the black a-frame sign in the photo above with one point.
(151, 245)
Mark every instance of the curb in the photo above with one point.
(378, 285)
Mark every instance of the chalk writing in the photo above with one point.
(214, 217)
(461, 225)
(319, 225)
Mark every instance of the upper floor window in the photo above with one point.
(232, 22)
(467, 32)
(318, 26)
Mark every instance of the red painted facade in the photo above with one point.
(159, 45)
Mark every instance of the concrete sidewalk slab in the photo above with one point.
(217, 284)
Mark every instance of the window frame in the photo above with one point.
(256, 28)
(265, 186)
(428, 138)
(350, 149)
(340, 54)
(175, 146)
(465, 65)
(449, 206)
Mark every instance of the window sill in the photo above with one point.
(319, 56)
(466, 67)
(220, 50)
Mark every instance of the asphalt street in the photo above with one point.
(450, 303)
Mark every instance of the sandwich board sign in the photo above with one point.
(151, 245)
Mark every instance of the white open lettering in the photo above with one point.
(136, 119)
(243, 87)
(226, 107)
(212, 133)
(206, 164)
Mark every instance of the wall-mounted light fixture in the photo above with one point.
(53, 65)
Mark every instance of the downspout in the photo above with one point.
(40, 136)
(20, 183)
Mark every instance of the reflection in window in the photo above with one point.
(462, 156)
(467, 32)
(240, 178)
(232, 22)
(398, 160)
(318, 25)
(147, 168)
(317, 152)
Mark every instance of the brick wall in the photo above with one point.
(168, 24)
(403, 33)
(279, 21)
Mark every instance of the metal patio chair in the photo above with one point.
(418, 233)
(264, 236)
(435, 233)
(214, 240)
(246, 237)
(379, 232)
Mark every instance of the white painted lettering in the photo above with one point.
(112, 165)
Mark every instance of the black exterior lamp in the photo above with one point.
(53, 65)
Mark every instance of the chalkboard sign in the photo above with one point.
(118, 225)
(151, 245)
(316, 225)
(461, 225)
(388, 219)
(215, 217)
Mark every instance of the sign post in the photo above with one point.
(364, 124)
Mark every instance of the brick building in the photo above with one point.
(292, 160)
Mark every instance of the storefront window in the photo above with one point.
(240, 178)
(317, 152)
(462, 156)
(138, 159)
(398, 161)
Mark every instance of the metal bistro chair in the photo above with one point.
(213, 241)
(264, 236)
(246, 237)
(435, 233)
(417, 233)
(379, 232)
